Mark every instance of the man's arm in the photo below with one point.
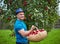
(25, 33)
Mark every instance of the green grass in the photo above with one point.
(5, 37)
(52, 38)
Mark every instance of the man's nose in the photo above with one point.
(22, 15)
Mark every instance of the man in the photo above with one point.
(20, 28)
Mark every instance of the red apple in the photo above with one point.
(30, 33)
(37, 31)
(41, 30)
(34, 32)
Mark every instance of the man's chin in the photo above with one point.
(22, 18)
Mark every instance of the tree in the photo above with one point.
(41, 13)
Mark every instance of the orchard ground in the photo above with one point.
(52, 38)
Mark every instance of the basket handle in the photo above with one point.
(35, 28)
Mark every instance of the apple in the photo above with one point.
(37, 31)
(41, 30)
(31, 33)
(34, 32)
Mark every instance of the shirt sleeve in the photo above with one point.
(19, 27)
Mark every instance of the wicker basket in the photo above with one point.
(37, 37)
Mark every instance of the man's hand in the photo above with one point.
(33, 27)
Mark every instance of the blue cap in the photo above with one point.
(19, 10)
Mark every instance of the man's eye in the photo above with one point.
(21, 14)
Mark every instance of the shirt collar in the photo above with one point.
(20, 20)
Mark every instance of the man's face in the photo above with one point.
(20, 16)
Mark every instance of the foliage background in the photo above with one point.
(41, 13)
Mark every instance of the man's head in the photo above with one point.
(20, 14)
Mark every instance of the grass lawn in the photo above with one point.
(5, 37)
(52, 38)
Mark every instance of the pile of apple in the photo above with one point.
(34, 32)
(37, 35)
